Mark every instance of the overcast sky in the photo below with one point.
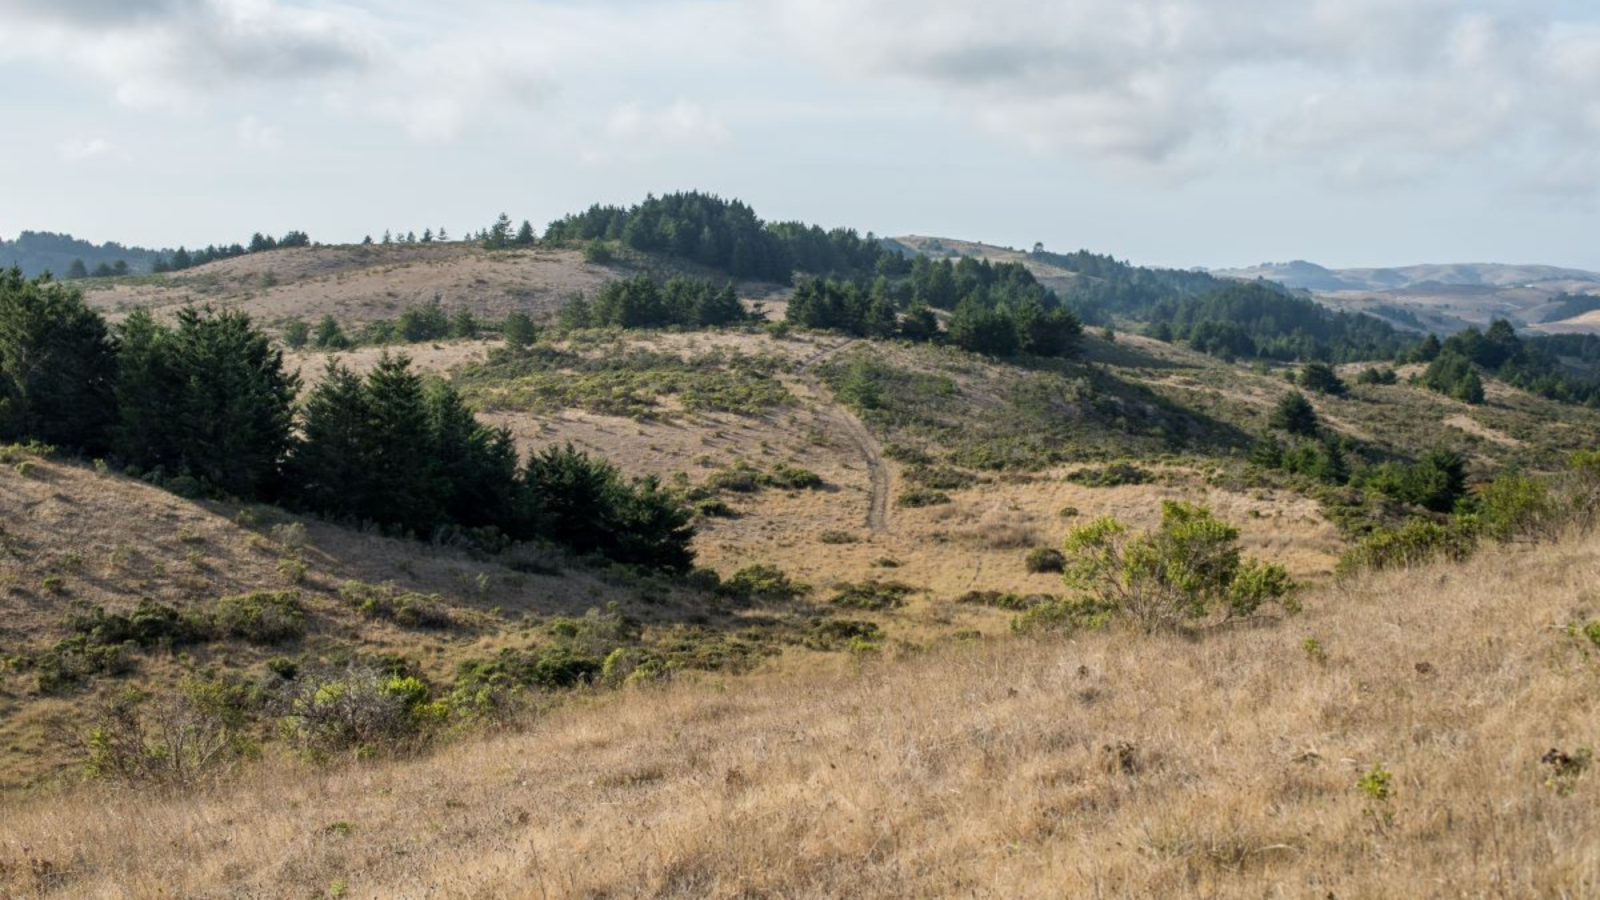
(1181, 132)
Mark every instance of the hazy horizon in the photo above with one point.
(1218, 134)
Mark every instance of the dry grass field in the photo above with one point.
(1387, 742)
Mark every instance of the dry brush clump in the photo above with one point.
(1436, 744)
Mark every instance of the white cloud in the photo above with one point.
(80, 149)
(1364, 91)
(682, 123)
(258, 135)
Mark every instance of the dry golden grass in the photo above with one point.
(1109, 765)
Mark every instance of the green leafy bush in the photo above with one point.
(761, 582)
(261, 617)
(872, 595)
(919, 497)
(1186, 568)
(1413, 543)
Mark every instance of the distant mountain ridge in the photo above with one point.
(37, 252)
(1310, 276)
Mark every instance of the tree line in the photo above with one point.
(205, 405)
(727, 235)
(997, 309)
(184, 258)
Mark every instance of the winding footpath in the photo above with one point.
(879, 478)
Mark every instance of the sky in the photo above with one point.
(1179, 133)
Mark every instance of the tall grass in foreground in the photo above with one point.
(1394, 740)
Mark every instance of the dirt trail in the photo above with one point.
(877, 470)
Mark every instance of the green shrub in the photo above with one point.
(1515, 505)
(1045, 559)
(1417, 541)
(1006, 601)
(837, 537)
(1063, 616)
(940, 478)
(761, 582)
(872, 595)
(1113, 475)
(261, 617)
(836, 634)
(1187, 567)
(918, 497)
(793, 478)
(412, 610)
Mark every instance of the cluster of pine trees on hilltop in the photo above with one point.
(204, 405)
(727, 235)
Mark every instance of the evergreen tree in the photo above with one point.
(1296, 415)
(56, 365)
(332, 467)
(296, 333)
(329, 335)
(524, 236)
(77, 270)
(1320, 377)
(519, 330)
(463, 324)
(499, 235)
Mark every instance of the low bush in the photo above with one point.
(261, 617)
(1413, 543)
(872, 595)
(919, 497)
(1045, 559)
(761, 582)
(1113, 475)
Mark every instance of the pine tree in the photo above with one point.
(1296, 415)
(332, 467)
(499, 235)
(56, 365)
(77, 270)
(525, 237)
(329, 336)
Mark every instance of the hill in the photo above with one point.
(1410, 734)
(1442, 298)
(37, 252)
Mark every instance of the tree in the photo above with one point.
(329, 335)
(463, 324)
(56, 365)
(1320, 377)
(524, 236)
(499, 236)
(219, 395)
(332, 465)
(77, 270)
(518, 329)
(1296, 415)
(296, 333)
(101, 270)
(584, 503)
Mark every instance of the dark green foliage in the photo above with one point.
(329, 336)
(1377, 375)
(261, 617)
(208, 399)
(296, 334)
(918, 497)
(761, 582)
(1045, 559)
(57, 367)
(722, 234)
(1113, 475)
(38, 252)
(1000, 309)
(1295, 414)
(1258, 319)
(585, 503)
(519, 330)
(1453, 375)
(1416, 542)
(1434, 482)
(1320, 377)
(401, 450)
(838, 634)
(1427, 351)
(598, 252)
(642, 302)
(428, 322)
(872, 595)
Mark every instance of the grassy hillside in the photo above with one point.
(1413, 734)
